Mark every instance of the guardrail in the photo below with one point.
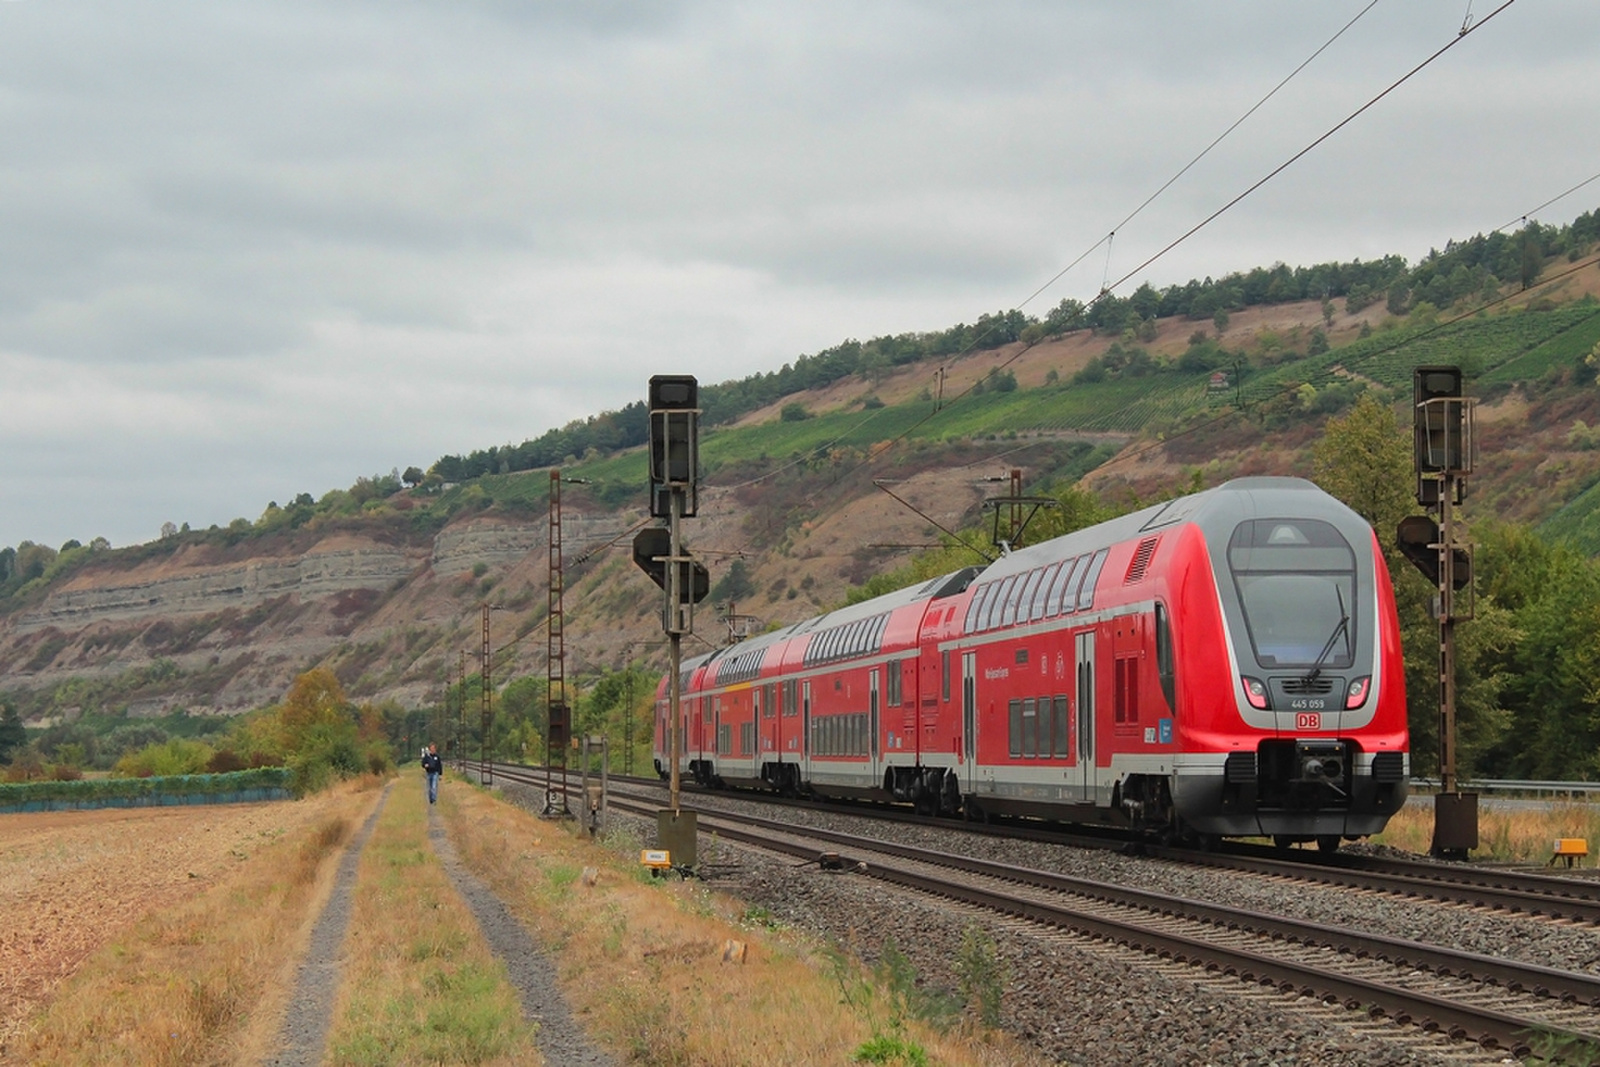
(1516, 785)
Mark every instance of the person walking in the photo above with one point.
(433, 767)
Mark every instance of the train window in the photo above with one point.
(990, 591)
(1091, 576)
(976, 607)
(1296, 586)
(791, 704)
(1165, 668)
(1063, 595)
(1030, 728)
(998, 602)
(1063, 728)
(944, 675)
(877, 633)
(1016, 728)
(724, 740)
(1025, 597)
(1041, 592)
(892, 682)
(1014, 599)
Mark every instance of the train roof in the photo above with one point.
(1216, 510)
(942, 586)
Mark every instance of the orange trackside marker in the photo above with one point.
(1570, 849)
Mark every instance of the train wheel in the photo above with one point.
(1283, 841)
(1328, 842)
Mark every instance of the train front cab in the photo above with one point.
(1296, 722)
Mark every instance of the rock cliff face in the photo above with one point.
(192, 630)
(327, 569)
(218, 629)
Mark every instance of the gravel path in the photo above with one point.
(562, 1042)
(305, 1024)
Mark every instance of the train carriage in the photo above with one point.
(1226, 663)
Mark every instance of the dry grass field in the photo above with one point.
(150, 931)
(172, 936)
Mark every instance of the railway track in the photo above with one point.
(1500, 1003)
(1498, 889)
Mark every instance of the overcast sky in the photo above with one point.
(250, 249)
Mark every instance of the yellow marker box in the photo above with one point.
(657, 859)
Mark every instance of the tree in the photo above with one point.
(1364, 459)
(315, 700)
(735, 584)
(13, 735)
(1220, 321)
(1532, 257)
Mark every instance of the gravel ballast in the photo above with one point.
(1083, 1001)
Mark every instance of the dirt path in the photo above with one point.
(560, 1038)
(305, 1024)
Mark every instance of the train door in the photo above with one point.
(1086, 716)
(969, 713)
(872, 721)
(805, 727)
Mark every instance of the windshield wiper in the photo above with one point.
(1341, 627)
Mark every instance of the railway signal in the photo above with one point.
(674, 477)
(1443, 451)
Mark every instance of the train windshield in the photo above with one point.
(1296, 581)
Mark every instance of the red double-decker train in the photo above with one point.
(1223, 664)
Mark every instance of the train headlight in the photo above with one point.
(1356, 695)
(1255, 692)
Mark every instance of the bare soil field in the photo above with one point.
(70, 882)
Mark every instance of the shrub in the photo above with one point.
(176, 756)
(224, 760)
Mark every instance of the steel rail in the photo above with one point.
(1461, 1021)
(1516, 892)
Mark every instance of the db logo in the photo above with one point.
(1308, 720)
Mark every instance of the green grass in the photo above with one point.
(1577, 523)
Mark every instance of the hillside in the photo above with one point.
(386, 585)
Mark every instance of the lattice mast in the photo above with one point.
(485, 771)
(556, 664)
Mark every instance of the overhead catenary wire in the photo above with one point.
(1526, 215)
(1106, 240)
(1189, 165)
(1286, 164)
(1109, 289)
